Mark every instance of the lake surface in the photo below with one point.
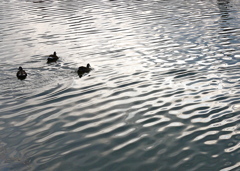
(163, 95)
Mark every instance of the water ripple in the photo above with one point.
(163, 93)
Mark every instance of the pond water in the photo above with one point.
(163, 93)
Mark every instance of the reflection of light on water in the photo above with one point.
(174, 124)
(231, 167)
(134, 140)
(165, 75)
(236, 107)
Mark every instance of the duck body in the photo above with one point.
(83, 69)
(52, 58)
(21, 74)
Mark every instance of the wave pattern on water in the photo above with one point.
(163, 93)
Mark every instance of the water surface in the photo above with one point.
(163, 93)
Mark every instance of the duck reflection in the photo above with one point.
(223, 6)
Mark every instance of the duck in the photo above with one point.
(83, 69)
(52, 58)
(21, 74)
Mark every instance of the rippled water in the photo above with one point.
(163, 95)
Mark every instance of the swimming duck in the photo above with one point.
(52, 58)
(83, 69)
(21, 74)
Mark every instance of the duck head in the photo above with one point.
(88, 65)
(20, 69)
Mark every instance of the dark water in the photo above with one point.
(163, 95)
